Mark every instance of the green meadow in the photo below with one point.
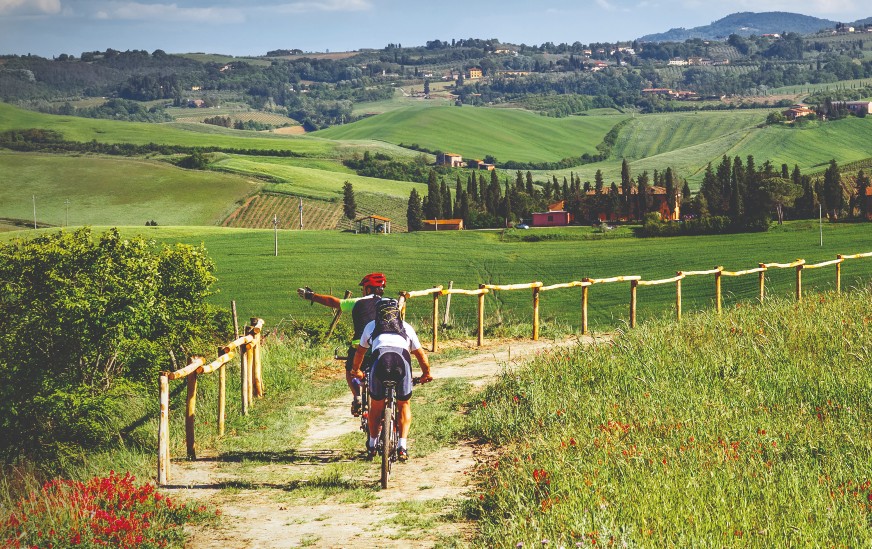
(315, 181)
(747, 429)
(186, 135)
(75, 190)
(473, 132)
(331, 262)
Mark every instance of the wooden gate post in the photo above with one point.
(839, 275)
(584, 307)
(480, 315)
(222, 394)
(799, 282)
(678, 297)
(435, 320)
(163, 431)
(190, 413)
(718, 290)
(634, 284)
(535, 313)
(249, 351)
(762, 281)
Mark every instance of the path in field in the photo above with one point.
(260, 510)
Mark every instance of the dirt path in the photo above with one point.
(269, 505)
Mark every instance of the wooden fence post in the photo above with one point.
(435, 320)
(634, 284)
(258, 368)
(190, 413)
(678, 297)
(762, 281)
(718, 290)
(163, 431)
(799, 282)
(448, 304)
(480, 315)
(839, 275)
(535, 313)
(222, 394)
(249, 350)
(243, 377)
(584, 289)
(257, 374)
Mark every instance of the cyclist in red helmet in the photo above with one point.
(362, 312)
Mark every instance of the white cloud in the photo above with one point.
(604, 4)
(136, 11)
(30, 7)
(309, 6)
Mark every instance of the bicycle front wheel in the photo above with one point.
(388, 437)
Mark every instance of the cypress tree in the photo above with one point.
(349, 206)
(446, 201)
(414, 212)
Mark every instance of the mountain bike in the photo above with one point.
(387, 443)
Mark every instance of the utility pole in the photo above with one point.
(34, 210)
(276, 232)
(301, 214)
(67, 212)
(821, 222)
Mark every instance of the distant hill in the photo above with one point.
(745, 24)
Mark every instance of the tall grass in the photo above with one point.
(748, 428)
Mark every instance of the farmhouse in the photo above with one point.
(797, 111)
(373, 224)
(556, 216)
(449, 159)
(474, 73)
(856, 107)
(443, 224)
(479, 165)
(196, 103)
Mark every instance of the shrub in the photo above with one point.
(85, 325)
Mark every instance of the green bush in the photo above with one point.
(86, 325)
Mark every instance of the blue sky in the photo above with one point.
(52, 27)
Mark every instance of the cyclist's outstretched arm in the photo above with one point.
(424, 363)
(321, 299)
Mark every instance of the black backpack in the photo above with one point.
(388, 319)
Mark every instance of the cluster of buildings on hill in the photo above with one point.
(859, 108)
(452, 160)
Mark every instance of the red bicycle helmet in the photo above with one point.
(374, 280)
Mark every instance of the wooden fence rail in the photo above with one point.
(251, 375)
(635, 281)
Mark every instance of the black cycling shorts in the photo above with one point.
(391, 364)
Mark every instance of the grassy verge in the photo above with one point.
(748, 428)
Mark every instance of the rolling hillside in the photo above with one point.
(122, 191)
(477, 132)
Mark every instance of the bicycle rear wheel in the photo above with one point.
(388, 437)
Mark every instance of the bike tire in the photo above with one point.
(388, 442)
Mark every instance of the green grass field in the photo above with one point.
(747, 429)
(120, 191)
(188, 135)
(313, 182)
(813, 147)
(477, 132)
(331, 262)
